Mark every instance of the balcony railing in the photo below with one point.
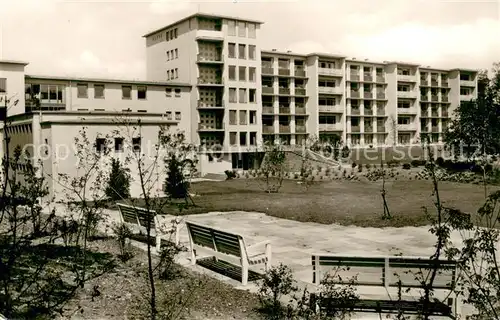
(424, 82)
(434, 98)
(300, 91)
(300, 110)
(380, 79)
(284, 110)
(300, 129)
(380, 111)
(444, 113)
(380, 95)
(354, 77)
(267, 70)
(410, 110)
(284, 90)
(367, 77)
(444, 98)
(210, 127)
(330, 127)
(330, 71)
(300, 72)
(444, 84)
(284, 71)
(466, 97)
(424, 113)
(355, 129)
(355, 94)
(268, 110)
(406, 94)
(467, 83)
(355, 111)
(434, 83)
(435, 129)
(380, 128)
(368, 111)
(204, 58)
(210, 34)
(434, 113)
(207, 104)
(332, 90)
(406, 77)
(368, 95)
(210, 81)
(284, 128)
(269, 90)
(424, 98)
(368, 129)
(267, 129)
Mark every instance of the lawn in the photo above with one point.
(342, 202)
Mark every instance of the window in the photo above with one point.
(327, 119)
(242, 29)
(243, 117)
(98, 91)
(243, 138)
(82, 89)
(3, 85)
(232, 117)
(100, 144)
(242, 95)
(403, 88)
(403, 120)
(251, 30)
(176, 53)
(177, 92)
(253, 117)
(252, 77)
(404, 104)
(136, 144)
(231, 49)
(175, 33)
(168, 74)
(232, 72)
(118, 144)
(242, 73)
(251, 52)
(141, 92)
(252, 95)
(126, 92)
(232, 95)
(241, 51)
(354, 122)
(168, 55)
(231, 28)
(232, 138)
(176, 73)
(168, 92)
(177, 115)
(169, 115)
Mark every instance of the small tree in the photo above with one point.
(272, 170)
(176, 185)
(118, 187)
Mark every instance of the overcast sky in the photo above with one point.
(104, 38)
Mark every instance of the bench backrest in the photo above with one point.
(136, 215)
(218, 240)
(413, 272)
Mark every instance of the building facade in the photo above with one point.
(207, 75)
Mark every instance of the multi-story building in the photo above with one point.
(208, 76)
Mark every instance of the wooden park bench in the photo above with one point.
(392, 273)
(228, 247)
(137, 217)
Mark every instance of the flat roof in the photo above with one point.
(282, 53)
(326, 55)
(201, 15)
(24, 63)
(404, 63)
(122, 81)
(464, 69)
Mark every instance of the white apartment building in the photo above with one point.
(208, 76)
(50, 112)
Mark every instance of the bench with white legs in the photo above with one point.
(391, 273)
(228, 247)
(138, 218)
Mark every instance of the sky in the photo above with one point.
(104, 38)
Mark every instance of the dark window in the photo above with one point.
(126, 92)
(82, 90)
(99, 91)
(136, 144)
(118, 144)
(100, 144)
(141, 92)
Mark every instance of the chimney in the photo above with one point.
(274, 49)
(289, 51)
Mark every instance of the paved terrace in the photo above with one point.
(293, 242)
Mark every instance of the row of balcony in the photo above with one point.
(426, 130)
(367, 95)
(434, 114)
(433, 83)
(368, 111)
(283, 110)
(286, 72)
(283, 129)
(203, 58)
(353, 129)
(367, 77)
(284, 91)
(434, 98)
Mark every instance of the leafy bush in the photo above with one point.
(360, 168)
(440, 161)
(406, 166)
(354, 164)
(276, 283)
(367, 166)
(392, 163)
(118, 187)
(230, 174)
(122, 234)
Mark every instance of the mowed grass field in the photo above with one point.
(341, 202)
